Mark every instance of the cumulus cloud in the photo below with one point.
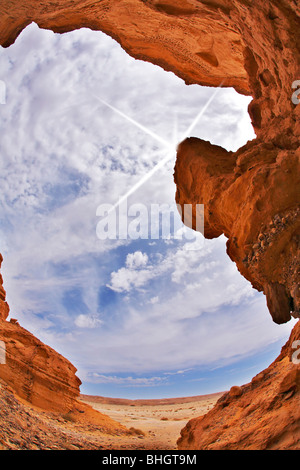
(134, 275)
(125, 279)
(136, 260)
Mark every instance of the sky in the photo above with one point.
(82, 125)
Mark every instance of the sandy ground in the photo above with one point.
(120, 425)
(156, 423)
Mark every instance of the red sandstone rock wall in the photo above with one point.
(193, 39)
(36, 372)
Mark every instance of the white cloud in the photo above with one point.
(87, 321)
(132, 276)
(178, 372)
(125, 279)
(136, 260)
(128, 381)
(163, 339)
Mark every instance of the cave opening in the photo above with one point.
(138, 317)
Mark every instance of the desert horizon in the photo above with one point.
(146, 401)
(155, 423)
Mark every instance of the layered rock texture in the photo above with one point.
(25, 427)
(35, 371)
(251, 196)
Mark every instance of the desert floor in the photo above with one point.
(155, 424)
(144, 424)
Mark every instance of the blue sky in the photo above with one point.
(138, 318)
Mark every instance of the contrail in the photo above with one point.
(136, 123)
(171, 147)
(195, 122)
(144, 179)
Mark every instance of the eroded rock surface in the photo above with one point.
(25, 427)
(35, 371)
(196, 40)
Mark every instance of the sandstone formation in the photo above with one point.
(262, 415)
(251, 196)
(36, 372)
(24, 427)
(196, 40)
